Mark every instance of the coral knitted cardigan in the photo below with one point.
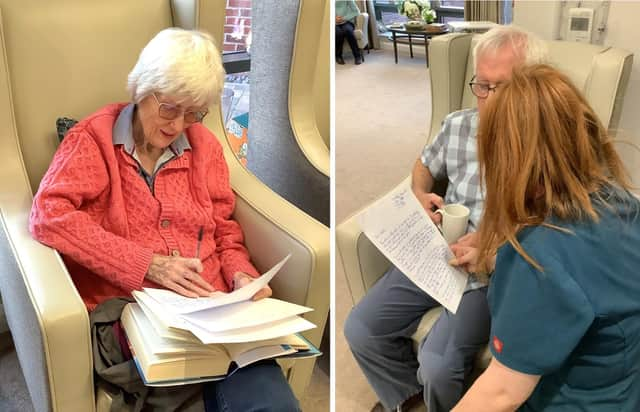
(98, 212)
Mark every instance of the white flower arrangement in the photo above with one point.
(416, 10)
(429, 15)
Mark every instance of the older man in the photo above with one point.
(346, 13)
(380, 327)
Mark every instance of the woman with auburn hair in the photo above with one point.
(565, 292)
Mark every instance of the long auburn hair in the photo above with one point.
(542, 152)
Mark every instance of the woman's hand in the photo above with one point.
(339, 19)
(182, 275)
(466, 253)
(466, 257)
(241, 279)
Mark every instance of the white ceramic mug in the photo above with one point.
(455, 218)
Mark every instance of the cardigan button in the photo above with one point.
(175, 252)
(165, 223)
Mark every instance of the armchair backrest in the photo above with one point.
(600, 72)
(54, 73)
(63, 58)
(287, 151)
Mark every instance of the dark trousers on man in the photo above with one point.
(345, 31)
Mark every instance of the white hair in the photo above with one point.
(181, 63)
(529, 47)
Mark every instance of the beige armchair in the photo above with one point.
(600, 72)
(68, 59)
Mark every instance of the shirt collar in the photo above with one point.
(123, 133)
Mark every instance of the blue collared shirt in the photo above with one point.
(123, 135)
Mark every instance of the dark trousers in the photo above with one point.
(257, 387)
(345, 31)
(379, 331)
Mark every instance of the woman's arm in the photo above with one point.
(228, 236)
(498, 389)
(78, 175)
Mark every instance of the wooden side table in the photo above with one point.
(425, 34)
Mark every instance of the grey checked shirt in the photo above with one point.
(453, 155)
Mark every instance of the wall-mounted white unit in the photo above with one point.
(580, 25)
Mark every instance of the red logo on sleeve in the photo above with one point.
(497, 344)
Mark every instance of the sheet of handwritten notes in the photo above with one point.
(400, 228)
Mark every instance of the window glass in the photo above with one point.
(459, 4)
(237, 63)
(235, 112)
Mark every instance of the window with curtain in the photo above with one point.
(447, 10)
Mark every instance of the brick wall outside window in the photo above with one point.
(237, 26)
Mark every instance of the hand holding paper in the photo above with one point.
(180, 304)
(241, 279)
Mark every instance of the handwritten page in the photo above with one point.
(181, 304)
(400, 228)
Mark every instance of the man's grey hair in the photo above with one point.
(184, 64)
(529, 47)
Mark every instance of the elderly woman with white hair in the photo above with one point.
(138, 195)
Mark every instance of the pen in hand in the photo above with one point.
(200, 233)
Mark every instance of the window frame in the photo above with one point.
(236, 62)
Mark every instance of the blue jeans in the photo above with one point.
(379, 330)
(257, 387)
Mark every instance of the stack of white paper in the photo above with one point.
(223, 317)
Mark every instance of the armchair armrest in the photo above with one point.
(274, 228)
(362, 262)
(47, 318)
(362, 28)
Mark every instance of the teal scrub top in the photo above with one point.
(577, 323)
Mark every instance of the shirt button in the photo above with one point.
(165, 223)
(175, 252)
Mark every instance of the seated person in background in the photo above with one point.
(132, 185)
(346, 13)
(565, 293)
(379, 328)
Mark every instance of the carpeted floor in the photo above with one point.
(14, 396)
(382, 114)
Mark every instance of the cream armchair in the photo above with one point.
(600, 72)
(362, 32)
(68, 59)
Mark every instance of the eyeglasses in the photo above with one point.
(481, 90)
(170, 112)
